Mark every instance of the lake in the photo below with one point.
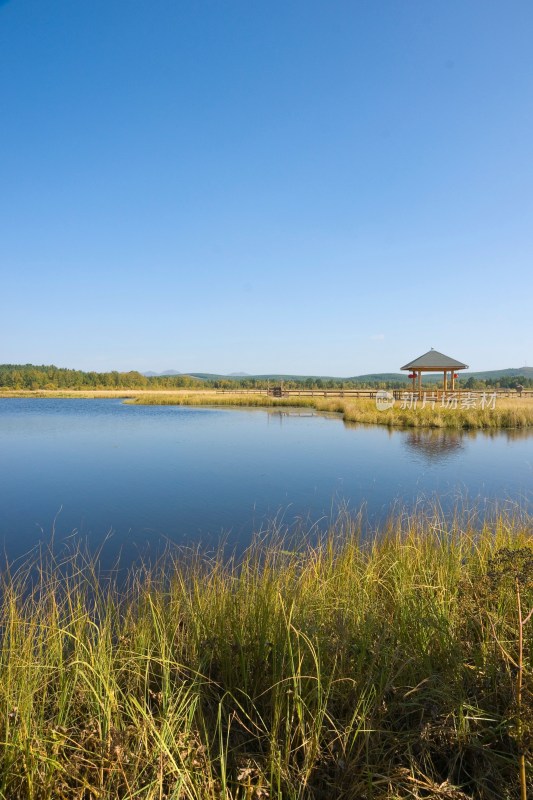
(145, 474)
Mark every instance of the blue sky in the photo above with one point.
(301, 187)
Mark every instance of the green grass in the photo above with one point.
(508, 413)
(343, 670)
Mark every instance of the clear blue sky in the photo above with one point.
(302, 187)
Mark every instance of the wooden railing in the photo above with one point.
(281, 391)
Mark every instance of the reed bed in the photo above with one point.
(508, 413)
(208, 398)
(399, 667)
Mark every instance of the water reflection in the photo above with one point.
(278, 415)
(433, 445)
(192, 475)
(511, 434)
(292, 413)
(437, 444)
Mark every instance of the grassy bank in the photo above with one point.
(400, 669)
(509, 413)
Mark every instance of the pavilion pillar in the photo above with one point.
(445, 384)
(419, 383)
(453, 381)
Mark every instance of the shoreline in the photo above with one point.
(509, 413)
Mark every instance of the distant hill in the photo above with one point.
(380, 377)
(167, 374)
(496, 374)
(211, 376)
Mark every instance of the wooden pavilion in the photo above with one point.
(433, 361)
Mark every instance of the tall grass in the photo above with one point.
(350, 669)
(509, 413)
(207, 398)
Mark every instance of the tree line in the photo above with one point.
(30, 376)
(497, 383)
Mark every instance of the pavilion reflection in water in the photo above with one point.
(435, 444)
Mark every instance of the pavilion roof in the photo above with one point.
(433, 360)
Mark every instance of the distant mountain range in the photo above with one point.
(167, 374)
(170, 372)
(526, 372)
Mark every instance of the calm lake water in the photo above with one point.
(192, 475)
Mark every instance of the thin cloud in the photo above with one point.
(378, 337)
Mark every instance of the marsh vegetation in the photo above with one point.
(394, 668)
(508, 413)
